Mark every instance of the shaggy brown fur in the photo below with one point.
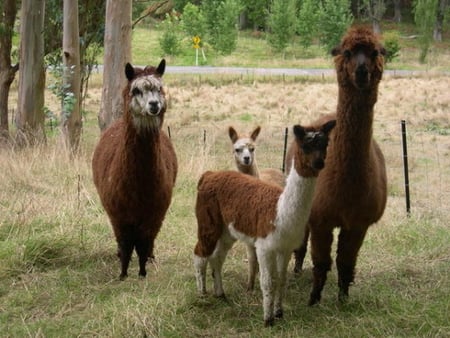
(135, 167)
(351, 190)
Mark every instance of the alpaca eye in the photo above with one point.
(375, 54)
(251, 149)
(238, 150)
(347, 53)
(136, 91)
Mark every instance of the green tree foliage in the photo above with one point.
(170, 40)
(256, 11)
(281, 22)
(334, 19)
(425, 12)
(194, 21)
(221, 18)
(392, 45)
(307, 22)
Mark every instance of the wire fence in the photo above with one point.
(421, 187)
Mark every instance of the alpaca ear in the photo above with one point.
(233, 134)
(255, 133)
(327, 127)
(299, 131)
(383, 51)
(129, 71)
(336, 51)
(161, 68)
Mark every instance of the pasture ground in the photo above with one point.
(58, 267)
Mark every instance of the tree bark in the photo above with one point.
(7, 71)
(71, 122)
(397, 11)
(437, 32)
(117, 54)
(30, 107)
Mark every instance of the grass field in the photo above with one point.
(58, 267)
(58, 270)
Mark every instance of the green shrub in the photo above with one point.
(392, 46)
(170, 40)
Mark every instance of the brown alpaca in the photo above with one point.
(231, 206)
(244, 147)
(351, 190)
(135, 167)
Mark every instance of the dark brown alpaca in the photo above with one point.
(351, 190)
(135, 167)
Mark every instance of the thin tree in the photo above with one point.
(440, 18)
(425, 12)
(30, 115)
(71, 123)
(8, 71)
(375, 10)
(117, 54)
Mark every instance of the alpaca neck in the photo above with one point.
(294, 204)
(354, 128)
(142, 146)
(251, 170)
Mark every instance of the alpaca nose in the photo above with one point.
(153, 107)
(246, 159)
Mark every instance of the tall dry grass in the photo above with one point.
(58, 268)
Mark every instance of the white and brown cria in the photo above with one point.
(231, 206)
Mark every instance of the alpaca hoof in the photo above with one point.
(123, 276)
(143, 274)
(343, 297)
(298, 268)
(279, 313)
(269, 322)
(313, 300)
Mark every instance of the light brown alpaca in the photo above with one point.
(244, 147)
(135, 166)
(351, 190)
(231, 206)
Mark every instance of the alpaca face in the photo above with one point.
(359, 59)
(147, 100)
(244, 147)
(313, 144)
(244, 151)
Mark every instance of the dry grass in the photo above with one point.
(58, 269)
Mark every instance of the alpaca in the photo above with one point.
(351, 191)
(135, 167)
(244, 155)
(244, 147)
(231, 206)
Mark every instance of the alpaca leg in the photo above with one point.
(300, 253)
(216, 261)
(267, 269)
(252, 267)
(349, 243)
(125, 251)
(282, 264)
(142, 249)
(321, 240)
(200, 264)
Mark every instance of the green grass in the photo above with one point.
(253, 51)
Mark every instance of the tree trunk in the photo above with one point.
(437, 32)
(30, 106)
(117, 54)
(7, 72)
(397, 11)
(71, 123)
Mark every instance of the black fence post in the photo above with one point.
(284, 150)
(405, 167)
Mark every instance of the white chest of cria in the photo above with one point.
(293, 208)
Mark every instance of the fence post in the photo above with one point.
(284, 149)
(405, 167)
